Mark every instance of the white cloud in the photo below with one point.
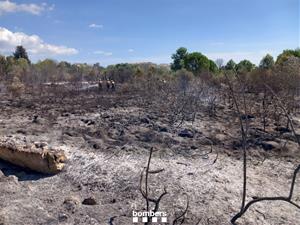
(99, 52)
(130, 50)
(12, 7)
(33, 43)
(96, 26)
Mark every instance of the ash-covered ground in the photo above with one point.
(107, 139)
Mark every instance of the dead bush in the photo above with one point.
(16, 87)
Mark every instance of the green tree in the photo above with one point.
(286, 54)
(267, 62)
(120, 73)
(23, 68)
(213, 66)
(19, 68)
(178, 59)
(20, 52)
(231, 65)
(47, 70)
(245, 66)
(64, 65)
(22, 63)
(196, 62)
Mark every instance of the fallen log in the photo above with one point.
(39, 158)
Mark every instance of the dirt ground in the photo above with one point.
(107, 140)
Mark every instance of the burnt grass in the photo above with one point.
(107, 137)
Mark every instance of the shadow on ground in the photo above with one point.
(22, 174)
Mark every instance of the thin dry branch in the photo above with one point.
(181, 218)
(244, 137)
(145, 193)
(156, 171)
(280, 198)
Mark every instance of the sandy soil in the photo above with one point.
(107, 141)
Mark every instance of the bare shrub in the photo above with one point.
(244, 127)
(16, 87)
(156, 201)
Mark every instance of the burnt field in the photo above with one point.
(149, 112)
(198, 151)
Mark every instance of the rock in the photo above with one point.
(35, 119)
(89, 201)
(21, 131)
(269, 145)
(44, 160)
(186, 133)
(163, 129)
(282, 130)
(62, 217)
(13, 178)
(145, 120)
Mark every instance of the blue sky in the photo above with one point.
(115, 31)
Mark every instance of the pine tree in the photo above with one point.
(20, 52)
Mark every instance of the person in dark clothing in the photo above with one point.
(100, 83)
(108, 84)
(113, 87)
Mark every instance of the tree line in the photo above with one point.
(17, 69)
(198, 63)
